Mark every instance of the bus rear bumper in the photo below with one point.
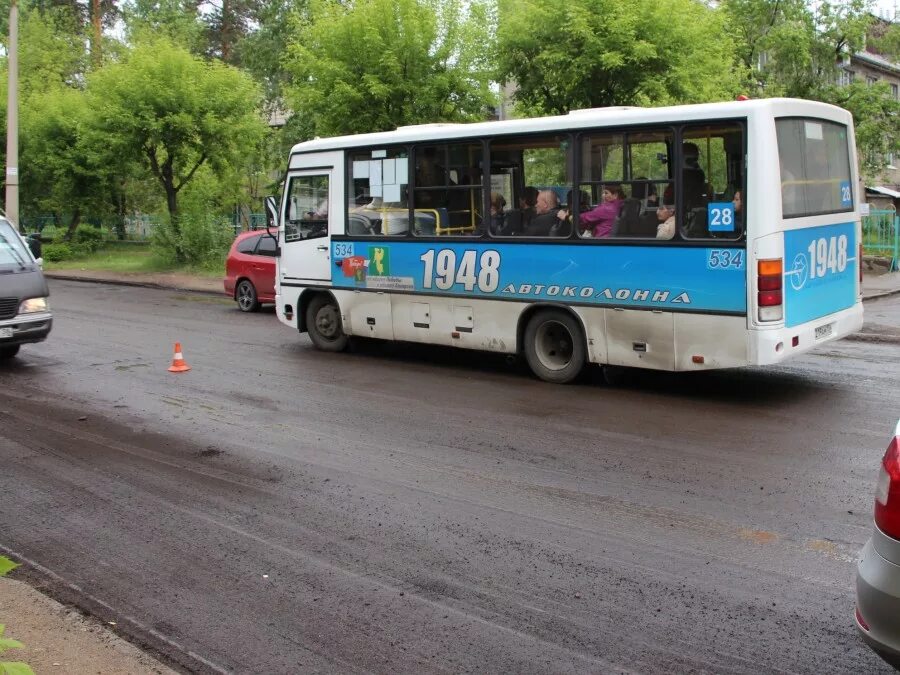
(774, 345)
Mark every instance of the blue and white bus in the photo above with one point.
(732, 237)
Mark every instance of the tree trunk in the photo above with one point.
(73, 225)
(120, 212)
(224, 30)
(96, 23)
(172, 204)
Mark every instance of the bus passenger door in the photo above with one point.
(307, 208)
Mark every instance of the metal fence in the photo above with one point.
(881, 236)
(134, 228)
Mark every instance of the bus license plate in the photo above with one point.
(6, 331)
(825, 331)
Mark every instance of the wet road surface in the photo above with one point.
(416, 509)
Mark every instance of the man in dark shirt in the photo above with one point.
(546, 215)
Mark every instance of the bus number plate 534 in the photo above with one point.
(444, 269)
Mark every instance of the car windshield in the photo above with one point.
(13, 254)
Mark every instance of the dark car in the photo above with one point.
(24, 313)
(250, 270)
(878, 572)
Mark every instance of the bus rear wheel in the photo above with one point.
(554, 346)
(323, 323)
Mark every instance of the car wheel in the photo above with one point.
(246, 297)
(554, 346)
(9, 352)
(323, 323)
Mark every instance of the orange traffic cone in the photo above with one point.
(178, 362)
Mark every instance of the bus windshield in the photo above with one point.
(815, 167)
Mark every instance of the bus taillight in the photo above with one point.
(769, 280)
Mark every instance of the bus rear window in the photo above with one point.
(815, 167)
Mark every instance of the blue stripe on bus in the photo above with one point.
(677, 278)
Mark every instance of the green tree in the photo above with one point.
(60, 172)
(567, 54)
(51, 51)
(228, 22)
(373, 65)
(177, 113)
(790, 48)
(175, 20)
(262, 51)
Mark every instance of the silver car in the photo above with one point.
(24, 313)
(878, 573)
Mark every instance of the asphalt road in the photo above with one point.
(411, 509)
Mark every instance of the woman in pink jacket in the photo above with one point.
(601, 218)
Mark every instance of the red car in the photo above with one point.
(250, 270)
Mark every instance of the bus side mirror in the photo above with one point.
(272, 216)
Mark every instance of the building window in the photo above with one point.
(846, 77)
(895, 92)
(871, 80)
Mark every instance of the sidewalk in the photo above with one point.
(59, 639)
(172, 280)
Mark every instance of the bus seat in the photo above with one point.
(512, 223)
(697, 222)
(627, 221)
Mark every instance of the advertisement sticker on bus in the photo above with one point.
(698, 279)
(820, 271)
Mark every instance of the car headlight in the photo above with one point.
(33, 305)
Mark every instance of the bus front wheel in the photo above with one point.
(554, 346)
(323, 323)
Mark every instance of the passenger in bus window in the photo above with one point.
(646, 192)
(546, 218)
(738, 201)
(599, 220)
(527, 203)
(693, 178)
(498, 217)
(665, 214)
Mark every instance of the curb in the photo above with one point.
(877, 338)
(136, 284)
(882, 294)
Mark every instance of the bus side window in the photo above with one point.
(541, 168)
(377, 188)
(712, 171)
(448, 197)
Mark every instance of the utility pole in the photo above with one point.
(12, 118)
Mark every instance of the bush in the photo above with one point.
(58, 252)
(203, 239)
(88, 238)
(51, 233)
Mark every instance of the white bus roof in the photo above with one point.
(580, 119)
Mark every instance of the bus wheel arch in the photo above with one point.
(320, 316)
(553, 340)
